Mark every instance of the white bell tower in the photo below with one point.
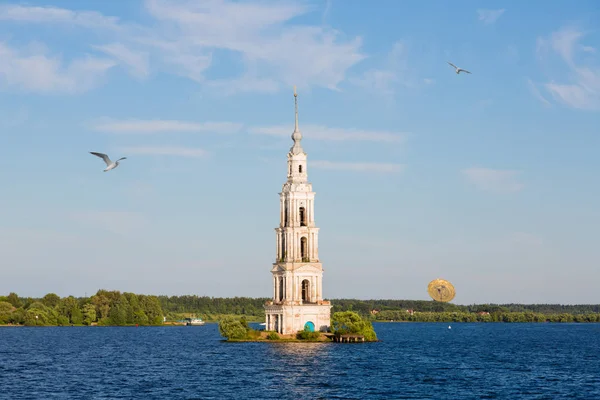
(297, 272)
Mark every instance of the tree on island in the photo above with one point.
(351, 323)
(233, 329)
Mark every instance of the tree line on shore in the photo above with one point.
(396, 310)
(107, 308)
(254, 306)
(116, 308)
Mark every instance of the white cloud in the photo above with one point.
(318, 132)
(176, 151)
(363, 167)
(182, 38)
(87, 19)
(137, 62)
(429, 81)
(293, 54)
(583, 88)
(490, 16)
(33, 71)
(494, 180)
(137, 126)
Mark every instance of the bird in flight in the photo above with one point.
(109, 164)
(458, 70)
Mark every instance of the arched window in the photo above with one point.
(302, 216)
(306, 291)
(304, 249)
(283, 252)
(300, 168)
(286, 215)
(281, 289)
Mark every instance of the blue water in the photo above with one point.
(413, 361)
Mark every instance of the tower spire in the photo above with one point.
(296, 109)
(296, 136)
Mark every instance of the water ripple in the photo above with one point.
(413, 361)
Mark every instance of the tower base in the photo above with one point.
(289, 319)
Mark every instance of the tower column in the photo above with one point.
(278, 247)
(281, 216)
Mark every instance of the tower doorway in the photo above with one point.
(309, 326)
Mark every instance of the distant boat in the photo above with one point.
(194, 321)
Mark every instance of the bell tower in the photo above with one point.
(297, 272)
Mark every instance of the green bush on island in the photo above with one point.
(233, 329)
(307, 334)
(349, 322)
(272, 336)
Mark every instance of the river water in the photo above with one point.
(412, 361)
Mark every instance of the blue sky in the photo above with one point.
(488, 180)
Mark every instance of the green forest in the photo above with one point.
(111, 308)
(108, 308)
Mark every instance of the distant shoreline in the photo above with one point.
(115, 308)
(294, 340)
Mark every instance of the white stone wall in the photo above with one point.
(295, 317)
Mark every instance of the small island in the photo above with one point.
(346, 327)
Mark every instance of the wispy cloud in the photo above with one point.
(328, 4)
(536, 92)
(588, 49)
(176, 151)
(87, 19)
(244, 84)
(494, 180)
(362, 167)
(319, 132)
(489, 16)
(182, 36)
(136, 62)
(395, 72)
(32, 70)
(583, 89)
(137, 126)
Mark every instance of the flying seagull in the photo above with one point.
(109, 164)
(458, 70)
